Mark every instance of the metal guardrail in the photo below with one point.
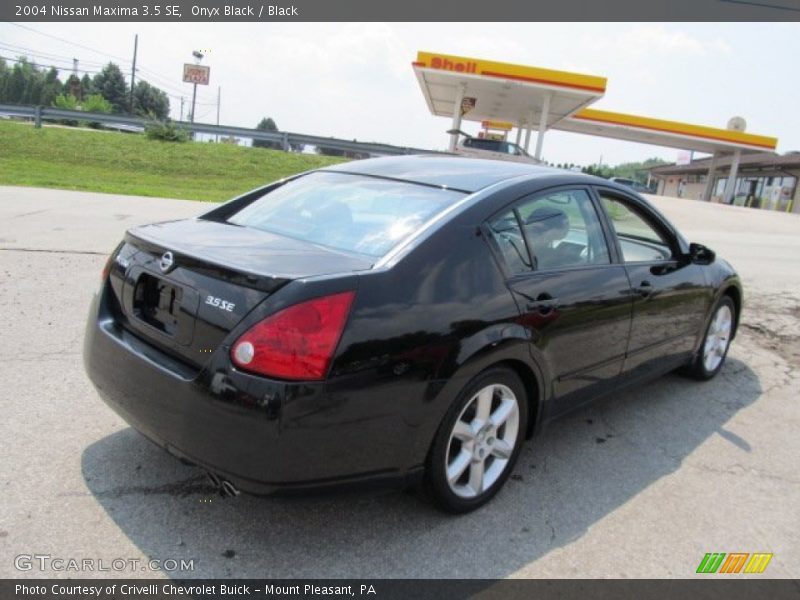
(285, 138)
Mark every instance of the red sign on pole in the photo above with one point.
(198, 74)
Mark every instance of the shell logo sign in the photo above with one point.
(488, 68)
(440, 62)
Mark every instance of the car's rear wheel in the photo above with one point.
(478, 442)
(711, 357)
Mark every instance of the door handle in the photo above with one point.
(645, 289)
(544, 303)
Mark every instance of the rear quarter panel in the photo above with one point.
(422, 328)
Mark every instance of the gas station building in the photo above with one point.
(535, 99)
(765, 180)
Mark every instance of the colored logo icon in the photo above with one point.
(734, 562)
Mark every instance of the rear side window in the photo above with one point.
(354, 213)
(551, 231)
(564, 230)
(511, 243)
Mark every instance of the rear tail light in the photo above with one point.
(107, 267)
(297, 342)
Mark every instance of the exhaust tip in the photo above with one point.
(214, 479)
(228, 489)
(225, 487)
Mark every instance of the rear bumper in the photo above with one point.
(262, 435)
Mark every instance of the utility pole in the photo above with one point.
(198, 56)
(75, 85)
(133, 68)
(219, 95)
(194, 97)
(181, 119)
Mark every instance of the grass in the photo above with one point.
(120, 163)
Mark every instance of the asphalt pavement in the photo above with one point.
(639, 485)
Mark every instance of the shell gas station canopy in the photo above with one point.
(472, 89)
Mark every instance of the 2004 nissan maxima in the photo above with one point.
(398, 319)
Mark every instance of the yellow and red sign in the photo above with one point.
(488, 68)
(501, 125)
(710, 133)
(196, 73)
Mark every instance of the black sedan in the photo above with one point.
(398, 320)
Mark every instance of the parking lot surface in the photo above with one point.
(642, 484)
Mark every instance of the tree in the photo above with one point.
(267, 124)
(26, 83)
(87, 89)
(110, 83)
(73, 86)
(148, 100)
(5, 73)
(16, 84)
(51, 87)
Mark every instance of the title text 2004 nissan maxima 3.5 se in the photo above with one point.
(398, 319)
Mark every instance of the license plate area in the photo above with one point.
(165, 306)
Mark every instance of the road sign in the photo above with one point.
(198, 74)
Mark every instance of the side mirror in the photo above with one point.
(701, 255)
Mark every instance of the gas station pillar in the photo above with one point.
(730, 185)
(457, 116)
(712, 170)
(542, 127)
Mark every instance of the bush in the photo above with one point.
(166, 131)
(66, 102)
(96, 104)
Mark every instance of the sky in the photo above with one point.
(355, 81)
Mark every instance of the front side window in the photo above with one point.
(354, 213)
(638, 239)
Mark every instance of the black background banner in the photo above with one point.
(405, 10)
(404, 589)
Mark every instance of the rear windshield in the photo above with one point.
(354, 213)
(480, 144)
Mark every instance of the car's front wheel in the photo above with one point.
(478, 442)
(711, 357)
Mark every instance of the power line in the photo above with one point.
(31, 52)
(17, 60)
(208, 112)
(161, 79)
(60, 39)
(89, 72)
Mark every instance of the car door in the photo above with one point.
(670, 297)
(573, 300)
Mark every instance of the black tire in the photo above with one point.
(501, 380)
(698, 368)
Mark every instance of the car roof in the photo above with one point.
(458, 173)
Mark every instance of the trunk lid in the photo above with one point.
(184, 285)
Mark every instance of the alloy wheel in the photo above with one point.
(718, 338)
(482, 441)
